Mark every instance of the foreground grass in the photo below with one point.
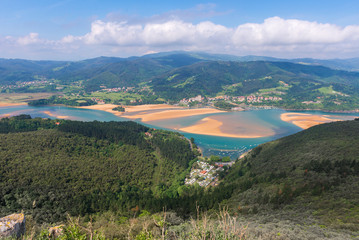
(209, 225)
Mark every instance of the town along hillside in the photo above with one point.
(280, 84)
(313, 174)
(50, 167)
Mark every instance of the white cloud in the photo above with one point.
(275, 37)
(29, 39)
(278, 31)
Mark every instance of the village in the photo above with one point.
(19, 84)
(204, 174)
(209, 171)
(235, 99)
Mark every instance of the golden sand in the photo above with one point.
(5, 115)
(154, 112)
(210, 126)
(6, 104)
(169, 114)
(54, 115)
(305, 120)
(164, 111)
(104, 107)
(140, 108)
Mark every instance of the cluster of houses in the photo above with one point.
(117, 89)
(204, 174)
(248, 99)
(199, 98)
(259, 99)
(24, 84)
(98, 101)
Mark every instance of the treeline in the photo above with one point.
(118, 132)
(24, 123)
(119, 109)
(224, 105)
(172, 146)
(62, 100)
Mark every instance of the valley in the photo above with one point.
(176, 143)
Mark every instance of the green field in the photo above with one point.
(327, 90)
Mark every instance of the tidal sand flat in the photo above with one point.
(132, 112)
(169, 114)
(104, 107)
(223, 126)
(55, 115)
(146, 107)
(214, 122)
(306, 120)
(7, 104)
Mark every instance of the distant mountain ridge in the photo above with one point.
(173, 76)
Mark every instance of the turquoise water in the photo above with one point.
(210, 145)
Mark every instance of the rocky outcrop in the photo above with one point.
(12, 225)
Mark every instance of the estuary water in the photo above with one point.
(253, 120)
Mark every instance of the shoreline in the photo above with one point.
(306, 120)
(212, 127)
(164, 111)
(326, 111)
(56, 116)
(6, 104)
(148, 113)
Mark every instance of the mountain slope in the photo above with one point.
(212, 78)
(86, 167)
(314, 172)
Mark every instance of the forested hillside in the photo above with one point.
(292, 82)
(50, 167)
(171, 77)
(314, 173)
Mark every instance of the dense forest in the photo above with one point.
(50, 167)
(315, 171)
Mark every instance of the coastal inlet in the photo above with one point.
(215, 132)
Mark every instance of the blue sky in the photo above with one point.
(74, 29)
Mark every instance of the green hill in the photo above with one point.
(294, 83)
(87, 167)
(177, 75)
(311, 174)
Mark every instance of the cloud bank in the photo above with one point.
(273, 37)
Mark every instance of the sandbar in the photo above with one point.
(169, 114)
(165, 111)
(206, 126)
(6, 104)
(305, 120)
(104, 107)
(54, 115)
(210, 126)
(140, 108)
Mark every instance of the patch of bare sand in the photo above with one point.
(130, 109)
(305, 120)
(6, 104)
(168, 114)
(5, 115)
(104, 107)
(54, 115)
(140, 108)
(210, 126)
